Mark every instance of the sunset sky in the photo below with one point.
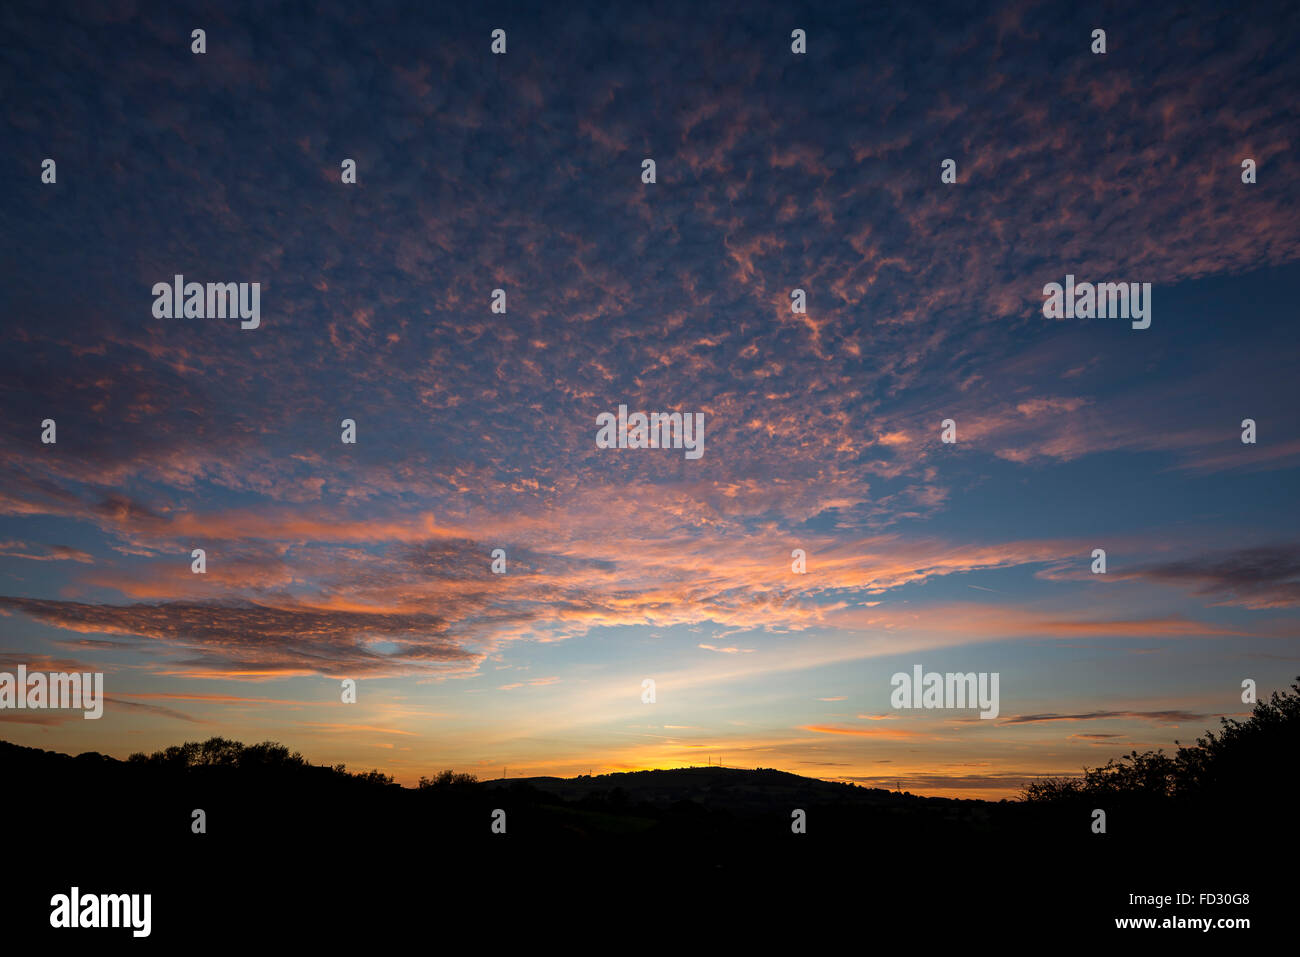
(476, 430)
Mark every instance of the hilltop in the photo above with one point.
(734, 788)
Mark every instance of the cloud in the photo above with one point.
(931, 782)
(44, 553)
(1160, 717)
(1260, 577)
(890, 734)
(346, 728)
(534, 683)
(117, 701)
(250, 640)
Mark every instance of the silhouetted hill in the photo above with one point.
(732, 788)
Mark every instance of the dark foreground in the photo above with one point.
(298, 854)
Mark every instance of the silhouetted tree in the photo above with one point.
(1218, 766)
(448, 779)
(222, 752)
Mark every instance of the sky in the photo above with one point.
(476, 430)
